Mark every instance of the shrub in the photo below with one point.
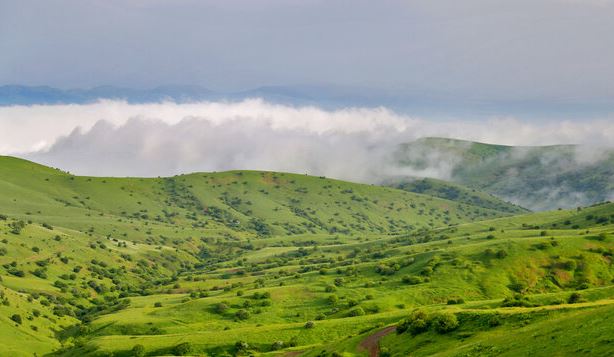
(501, 254)
(332, 299)
(569, 265)
(310, 324)
(416, 323)
(574, 298)
(242, 314)
(157, 304)
(183, 349)
(221, 308)
(16, 318)
(359, 311)
(384, 352)
(277, 345)
(241, 346)
(494, 320)
(444, 322)
(17, 226)
(518, 300)
(411, 279)
(454, 301)
(138, 351)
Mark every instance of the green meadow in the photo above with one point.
(277, 264)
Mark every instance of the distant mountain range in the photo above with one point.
(324, 96)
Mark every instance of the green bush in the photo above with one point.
(242, 314)
(277, 345)
(574, 298)
(138, 351)
(444, 322)
(359, 311)
(183, 349)
(417, 322)
(241, 346)
(411, 280)
(16, 318)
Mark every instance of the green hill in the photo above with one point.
(263, 263)
(538, 178)
(454, 192)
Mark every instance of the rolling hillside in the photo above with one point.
(454, 192)
(263, 263)
(538, 178)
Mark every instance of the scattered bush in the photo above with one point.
(359, 311)
(277, 345)
(444, 322)
(16, 318)
(241, 346)
(221, 308)
(416, 323)
(183, 349)
(242, 314)
(412, 279)
(574, 298)
(138, 351)
(455, 301)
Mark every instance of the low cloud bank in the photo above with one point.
(114, 138)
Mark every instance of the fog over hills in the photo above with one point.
(176, 129)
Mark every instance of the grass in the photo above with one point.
(245, 256)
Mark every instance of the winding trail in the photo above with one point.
(371, 343)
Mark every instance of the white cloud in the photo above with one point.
(117, 138)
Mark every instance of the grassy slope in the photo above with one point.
(89, 242)
(462, 268)
(454, 192)
(195, 241)
(542, 177)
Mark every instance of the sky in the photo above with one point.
(478, 50)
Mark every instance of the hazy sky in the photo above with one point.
(477, 49)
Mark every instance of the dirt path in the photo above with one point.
(371, 343)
